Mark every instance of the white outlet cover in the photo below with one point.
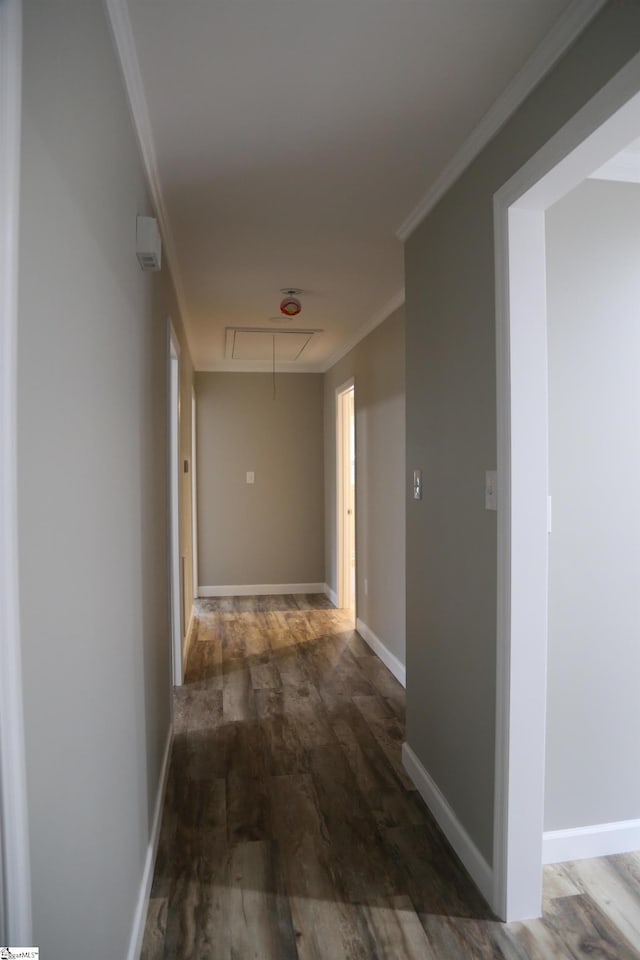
(251, 477)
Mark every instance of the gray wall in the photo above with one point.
(451, 435)
(271, 531)
(377, 364)
(593, 709)
(92, 497)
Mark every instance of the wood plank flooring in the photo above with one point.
(291, 832)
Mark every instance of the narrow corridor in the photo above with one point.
(290, 829)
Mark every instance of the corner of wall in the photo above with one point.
(140, 915)
(479, 870)
(391, 662)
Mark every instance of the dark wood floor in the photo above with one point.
(290, 829)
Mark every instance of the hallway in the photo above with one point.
(290, 828)
(291, 831)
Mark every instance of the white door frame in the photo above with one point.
(194, 493)
(14, 828)
(174, 505)
(342, 567)
(600, 129)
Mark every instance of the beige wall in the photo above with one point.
(272, 531)
(451, 435)
(92, 525)
(377, 364)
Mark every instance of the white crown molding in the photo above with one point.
(378, 318)
(15, 883)
(572, 22)
(120, 21)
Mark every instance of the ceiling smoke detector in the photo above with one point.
(290, 306)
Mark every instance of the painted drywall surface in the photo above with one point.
(92, 370)
(270, 531)
(377, 365)
(593, 711)
(451, 436)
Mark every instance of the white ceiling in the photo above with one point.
(290, 139)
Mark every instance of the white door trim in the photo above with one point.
(194, 492)
(602, 127)
(341, 566)
(174, 503)
(16, 881)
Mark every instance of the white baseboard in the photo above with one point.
(140, 917)
(389, 659)
(333, 596)
(480, 871)
(260, 589)
(599, 840)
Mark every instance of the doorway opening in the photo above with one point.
(346, 484)
(605, 126)
(176, 585)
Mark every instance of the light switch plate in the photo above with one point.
(417, 484)
(251, 477)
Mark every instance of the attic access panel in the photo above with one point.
(256, 344)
